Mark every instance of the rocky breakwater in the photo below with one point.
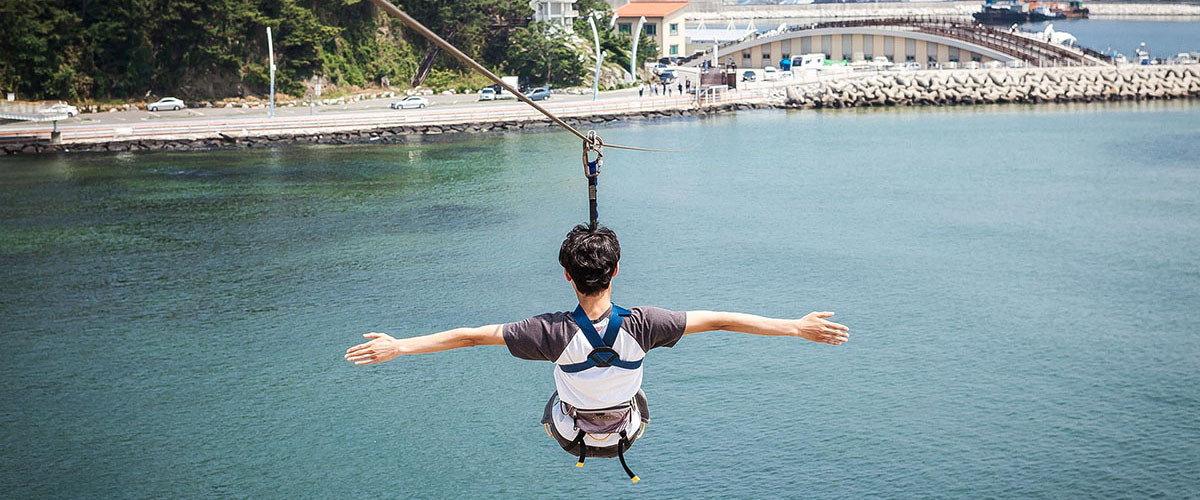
(1031, 85)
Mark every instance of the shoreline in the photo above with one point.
(371, 135)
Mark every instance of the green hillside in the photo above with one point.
(129, 49)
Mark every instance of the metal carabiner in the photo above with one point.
(591, 168)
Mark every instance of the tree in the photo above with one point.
(545, 54)
(615, 44)
(476, 27)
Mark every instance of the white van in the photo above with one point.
(808, 60)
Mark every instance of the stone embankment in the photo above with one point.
(1031, 85)
(397, 134)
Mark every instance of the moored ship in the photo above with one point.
(1023, 11)
(1073, 10)
(1007, 12)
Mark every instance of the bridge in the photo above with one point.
(28, 112)
(913, 39)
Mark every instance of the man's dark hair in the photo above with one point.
(590, 255)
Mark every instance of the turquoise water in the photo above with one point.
(1022, 284)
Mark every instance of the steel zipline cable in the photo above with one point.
(433, 37)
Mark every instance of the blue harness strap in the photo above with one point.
(602, 354)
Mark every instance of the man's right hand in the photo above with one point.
(813, 326)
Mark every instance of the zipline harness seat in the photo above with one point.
(614, 419)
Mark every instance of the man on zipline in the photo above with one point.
(598, 375)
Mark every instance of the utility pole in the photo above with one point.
(271, 61)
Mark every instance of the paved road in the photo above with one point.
(361, 114)
(136, 117)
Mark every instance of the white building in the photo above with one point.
(560, 12)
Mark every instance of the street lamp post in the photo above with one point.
(599, 58)
(271, 61)
(637, 35)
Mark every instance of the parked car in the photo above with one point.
(667, 76)
(60, 108)
(993, 65)
(749, 76)
(659, 68)
(770, 74)
(950, 65)
(908, 66)
(539, 93)
(170, 103)
(411, 102)
(970, 65)
(487, 94)
(1016, 63)
(881, 62)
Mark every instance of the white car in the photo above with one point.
(993, 65)
(880, 63)
(908, 66)
(165, 103)
(411, 102)
(487, 94)
(61, 108)
(1016, 63)
(970, 65)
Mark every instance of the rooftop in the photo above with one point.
(649, 9)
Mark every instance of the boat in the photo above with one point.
(1007, 12)
(1045, 13)
(1073, 10)
(1142, 56)
(1023, 11)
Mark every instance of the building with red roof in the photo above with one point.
(664, 23)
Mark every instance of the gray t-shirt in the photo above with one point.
(544, 337)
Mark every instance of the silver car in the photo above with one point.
(411, 102)
(166, 103)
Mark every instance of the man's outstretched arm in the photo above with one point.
(813, 326)
(382, 347)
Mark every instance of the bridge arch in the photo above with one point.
(918, 40)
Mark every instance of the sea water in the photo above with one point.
(1022, 284)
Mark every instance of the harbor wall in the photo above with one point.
(1029, 85)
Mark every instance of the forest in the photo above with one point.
(133, 49)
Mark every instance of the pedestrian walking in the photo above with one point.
(641, 89)
(680, 87)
